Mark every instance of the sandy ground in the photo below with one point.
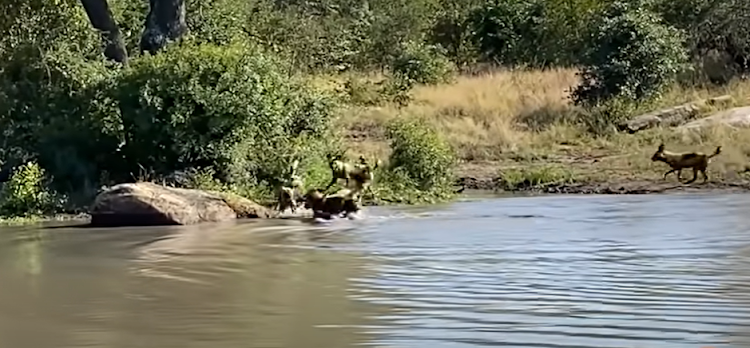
(482, 176)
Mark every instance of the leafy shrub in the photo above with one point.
(420, 154)
(42, 24)
(230, 107)
(56, 113)
(451, 30)
(633, 56)
(713, 28)
(363, 92)
(25, 193)
(423, 64)
(536, 33)
(607, 116)
(391, 23)
(502, 30)
(233, 108)
(396, 89)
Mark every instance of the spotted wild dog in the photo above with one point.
(679, 161)
(338, 204)
(289, 195)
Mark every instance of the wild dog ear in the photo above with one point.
(661, 148)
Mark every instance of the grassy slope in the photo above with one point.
(513, 124)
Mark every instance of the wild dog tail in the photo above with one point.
(718, 151)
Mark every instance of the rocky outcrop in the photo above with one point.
(673, 116)
(737, 117)
(143, 203)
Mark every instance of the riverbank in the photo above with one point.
(516, 131)
(34, 219)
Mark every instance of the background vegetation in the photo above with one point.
(256, 84)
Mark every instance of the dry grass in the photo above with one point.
(478, 114)
(522, 118)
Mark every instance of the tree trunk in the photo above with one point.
(101, 19)
(165, 21)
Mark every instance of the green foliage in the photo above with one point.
(420, 155)
(54, 111)
(368, 93)
(606, 117)
(25, 193)
(43, 24)
(713, 27)
(226, 104)
(328, 37)
(504, 29)
(451, 30)
(534, 177)
(420, 168)
(130, 17)
(423, 64)
(230, 107)
(233, 108)
(218, 21)
(536, 33)
(633, 55)
(394, 22)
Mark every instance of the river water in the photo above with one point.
(562, 271)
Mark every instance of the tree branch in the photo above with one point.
(101, 19)
(165, 22)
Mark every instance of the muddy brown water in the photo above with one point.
(562, 271)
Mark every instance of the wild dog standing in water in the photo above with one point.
(289, 195)
(339, 170)
(363, 175)
(330, 206)
(360, 175)
(678, 161)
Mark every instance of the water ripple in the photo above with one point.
(602, 273)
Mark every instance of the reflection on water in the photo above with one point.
(566, 271)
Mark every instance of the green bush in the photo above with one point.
(420, 155)
(25, 193)
(423, 64)
(452, 31)
(56, 113)
(537, 33)
(713, 28)
(503, 29)
(231, 107)
(633, 55)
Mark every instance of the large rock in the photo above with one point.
(666, 117)
(674, 116)
(737, 117)
(146, 203)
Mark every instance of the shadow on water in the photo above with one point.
(251, 284)
(563, 271)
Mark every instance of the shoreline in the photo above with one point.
(607, 188)
(495, 186)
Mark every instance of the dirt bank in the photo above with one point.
(613, 187)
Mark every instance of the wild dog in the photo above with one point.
(363, 175)
(330, 206)
(339, 170)
(290, 195)
(679, 161)
(286, 200)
